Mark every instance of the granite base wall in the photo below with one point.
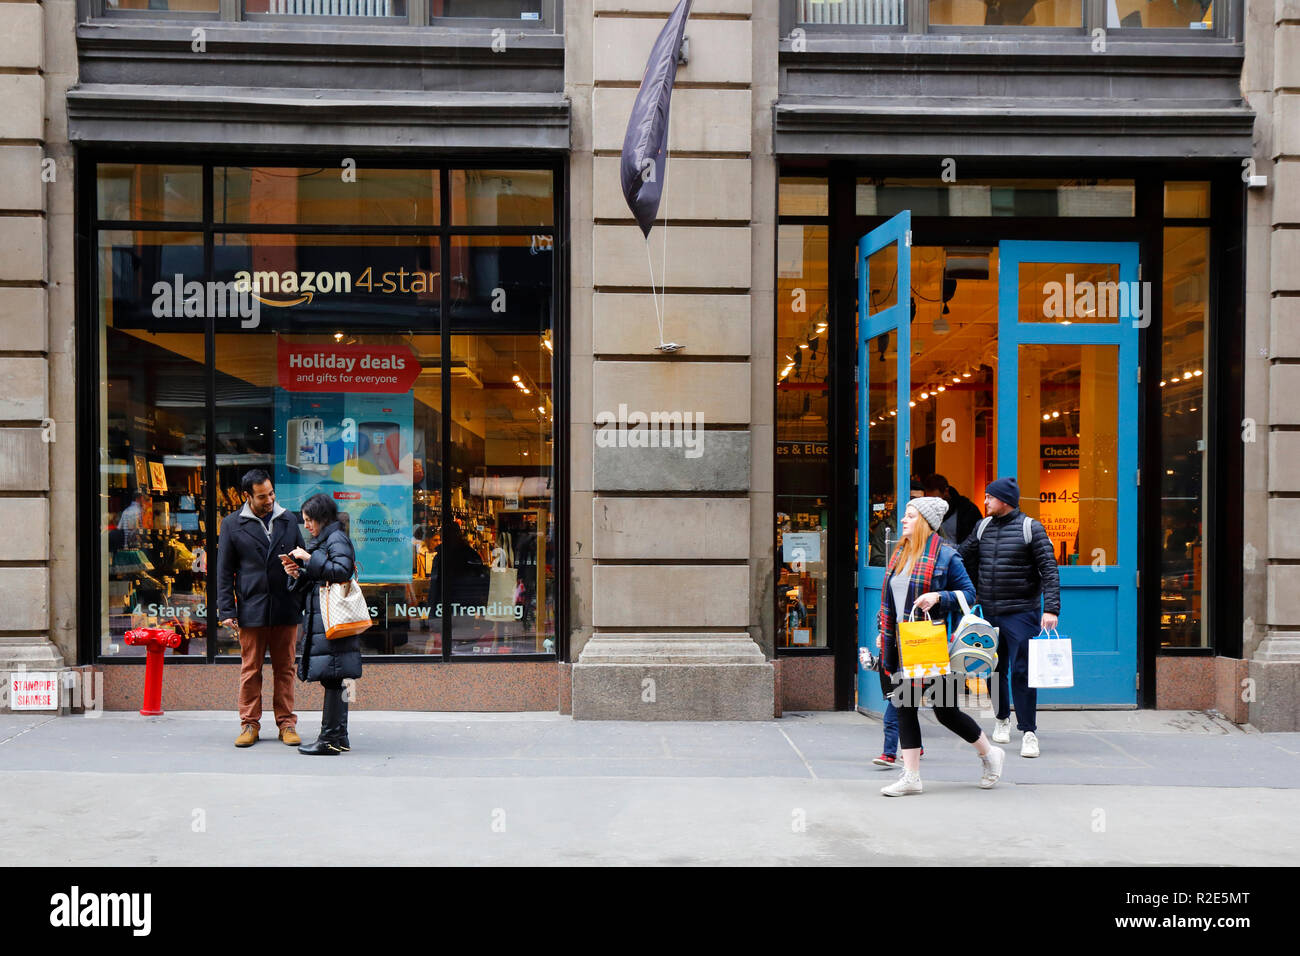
(1202, 683)
(807, 683)
(471, 686)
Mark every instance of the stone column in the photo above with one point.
(27, 431)
(666, 629)
(1273, 291)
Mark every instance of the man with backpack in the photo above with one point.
(1014, 567)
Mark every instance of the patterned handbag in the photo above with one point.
(344, 609)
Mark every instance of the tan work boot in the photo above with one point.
(289, 735)
(247, 737)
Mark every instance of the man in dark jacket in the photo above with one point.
(1013, 578)
(254, 599)
(963, 514)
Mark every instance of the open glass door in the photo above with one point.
(1068, 315)
(884, 383)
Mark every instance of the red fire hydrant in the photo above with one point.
(156, 641)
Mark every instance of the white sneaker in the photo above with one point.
(1002, 731)
(992, 762)
(905, 784)
(1029, 744)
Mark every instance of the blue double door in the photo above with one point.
(1016, 359)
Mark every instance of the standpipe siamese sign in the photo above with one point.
(344, 427)
(32, 691)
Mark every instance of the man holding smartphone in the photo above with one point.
(253, 598)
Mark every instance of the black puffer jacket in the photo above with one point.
(332, 562)
(1009, 574)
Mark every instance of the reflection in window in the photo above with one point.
(1167, 14)
(269, 195)
(488, 9)
(853, 12)
(327, 8)
(1069, 446)
(1007, 13)
(1184, 414)
(804, 196)
(1066, 293)
(996, 197)
(502, 197)
(803, 479)
(150, 192)
(168, 6)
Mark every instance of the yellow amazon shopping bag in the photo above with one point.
(923, 647)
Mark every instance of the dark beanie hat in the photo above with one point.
(1005, 489)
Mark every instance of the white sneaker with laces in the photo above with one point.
(992, 762)
(1029, 744)
(907, 783)
(1002, 731)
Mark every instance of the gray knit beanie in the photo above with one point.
(931, 509)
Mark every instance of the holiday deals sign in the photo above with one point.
(347, 368)
(343, 422)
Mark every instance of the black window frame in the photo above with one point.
(88, 370)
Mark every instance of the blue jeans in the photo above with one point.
(891, 729)
(1015, 630)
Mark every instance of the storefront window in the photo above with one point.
(328, 370)
(500, 544)
(803, 475)
(1006, 13)
(1184, 415)
(152, 470)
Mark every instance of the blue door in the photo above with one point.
(884, 374)
(1065, 389)
(1069, 314)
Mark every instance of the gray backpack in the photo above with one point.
(984, 523)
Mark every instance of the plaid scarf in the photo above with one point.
(918, 583)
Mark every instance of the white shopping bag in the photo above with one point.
(1051, 661)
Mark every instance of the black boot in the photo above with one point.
(323, 745)
(340, 736)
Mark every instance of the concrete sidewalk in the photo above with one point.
(1127, 787)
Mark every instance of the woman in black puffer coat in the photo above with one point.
(330, 560)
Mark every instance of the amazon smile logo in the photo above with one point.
(301, 286)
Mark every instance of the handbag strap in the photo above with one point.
(961, 600)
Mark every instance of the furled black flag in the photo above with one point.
(645, 147)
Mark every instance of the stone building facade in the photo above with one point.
(671, 583)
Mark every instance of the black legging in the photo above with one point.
(943, 696)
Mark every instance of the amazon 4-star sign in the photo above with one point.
(347, 368)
